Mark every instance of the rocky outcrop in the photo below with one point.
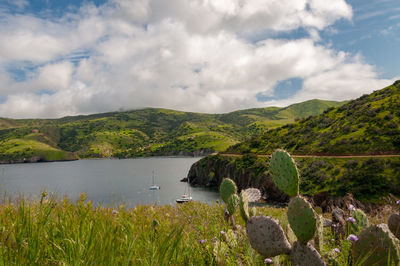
(249, 172)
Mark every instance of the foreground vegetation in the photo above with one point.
(143, 132)
(50, 231)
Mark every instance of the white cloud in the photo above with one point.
(187, 55)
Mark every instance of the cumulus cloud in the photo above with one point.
(196, 55)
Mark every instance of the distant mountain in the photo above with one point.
(367, 125)
(143, 132)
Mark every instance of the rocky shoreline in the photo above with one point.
(210, 171)
(34, 159)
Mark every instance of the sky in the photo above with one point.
(70, 57)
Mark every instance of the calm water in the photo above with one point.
(105, 181)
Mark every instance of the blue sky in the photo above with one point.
(61, 58)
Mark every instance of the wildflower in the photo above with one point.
(222, 232)
(398, 202)
(202, 241)
(336, 250)
(214, 239)
(352, 238)
(351, 219)
(351, 207)
(268, 261)
(114, 212)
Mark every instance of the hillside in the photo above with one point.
(367, 125)
(145, 132)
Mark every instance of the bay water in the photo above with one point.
(105, 181)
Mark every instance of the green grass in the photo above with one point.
(152, 131)
(17, 149)
(50, 231)
(367, 125)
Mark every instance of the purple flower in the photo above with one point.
(352, 238)
(222, 232)
(351, 207)
(268, 261)
(336, 250)
(398, 202)
(202, 241)
(351, 219)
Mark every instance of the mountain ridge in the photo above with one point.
(367, 125)
(146, 132)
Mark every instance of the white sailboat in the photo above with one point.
(185, 197)
(154, 186)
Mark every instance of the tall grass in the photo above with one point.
(50, 231)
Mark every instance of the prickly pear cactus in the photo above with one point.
(253, 194)
(231, 238)
(267, 236)
(284, 172)
(319, 236)
(252, 212)
(232, 204)
(220, 252)
(302, 219)
(244, 206)
(226, 189)
(305, 255)
(359, 223)
(394, 224)
(376, 245)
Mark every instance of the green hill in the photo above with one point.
(144, 132)
(367, 125)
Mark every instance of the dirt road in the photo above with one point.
(319, 156)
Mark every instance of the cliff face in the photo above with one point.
(327, 182)
(248, 171)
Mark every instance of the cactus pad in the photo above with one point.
(232, 204)
(394, 224)
(244, 206)
(220, 252)
(305, 255)
(302, 219)
(284, 172)
(361, 222)
(253, 194)
(252, 211)
(319, 236)
(226, 189)
(267, 236)
(376, 245)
